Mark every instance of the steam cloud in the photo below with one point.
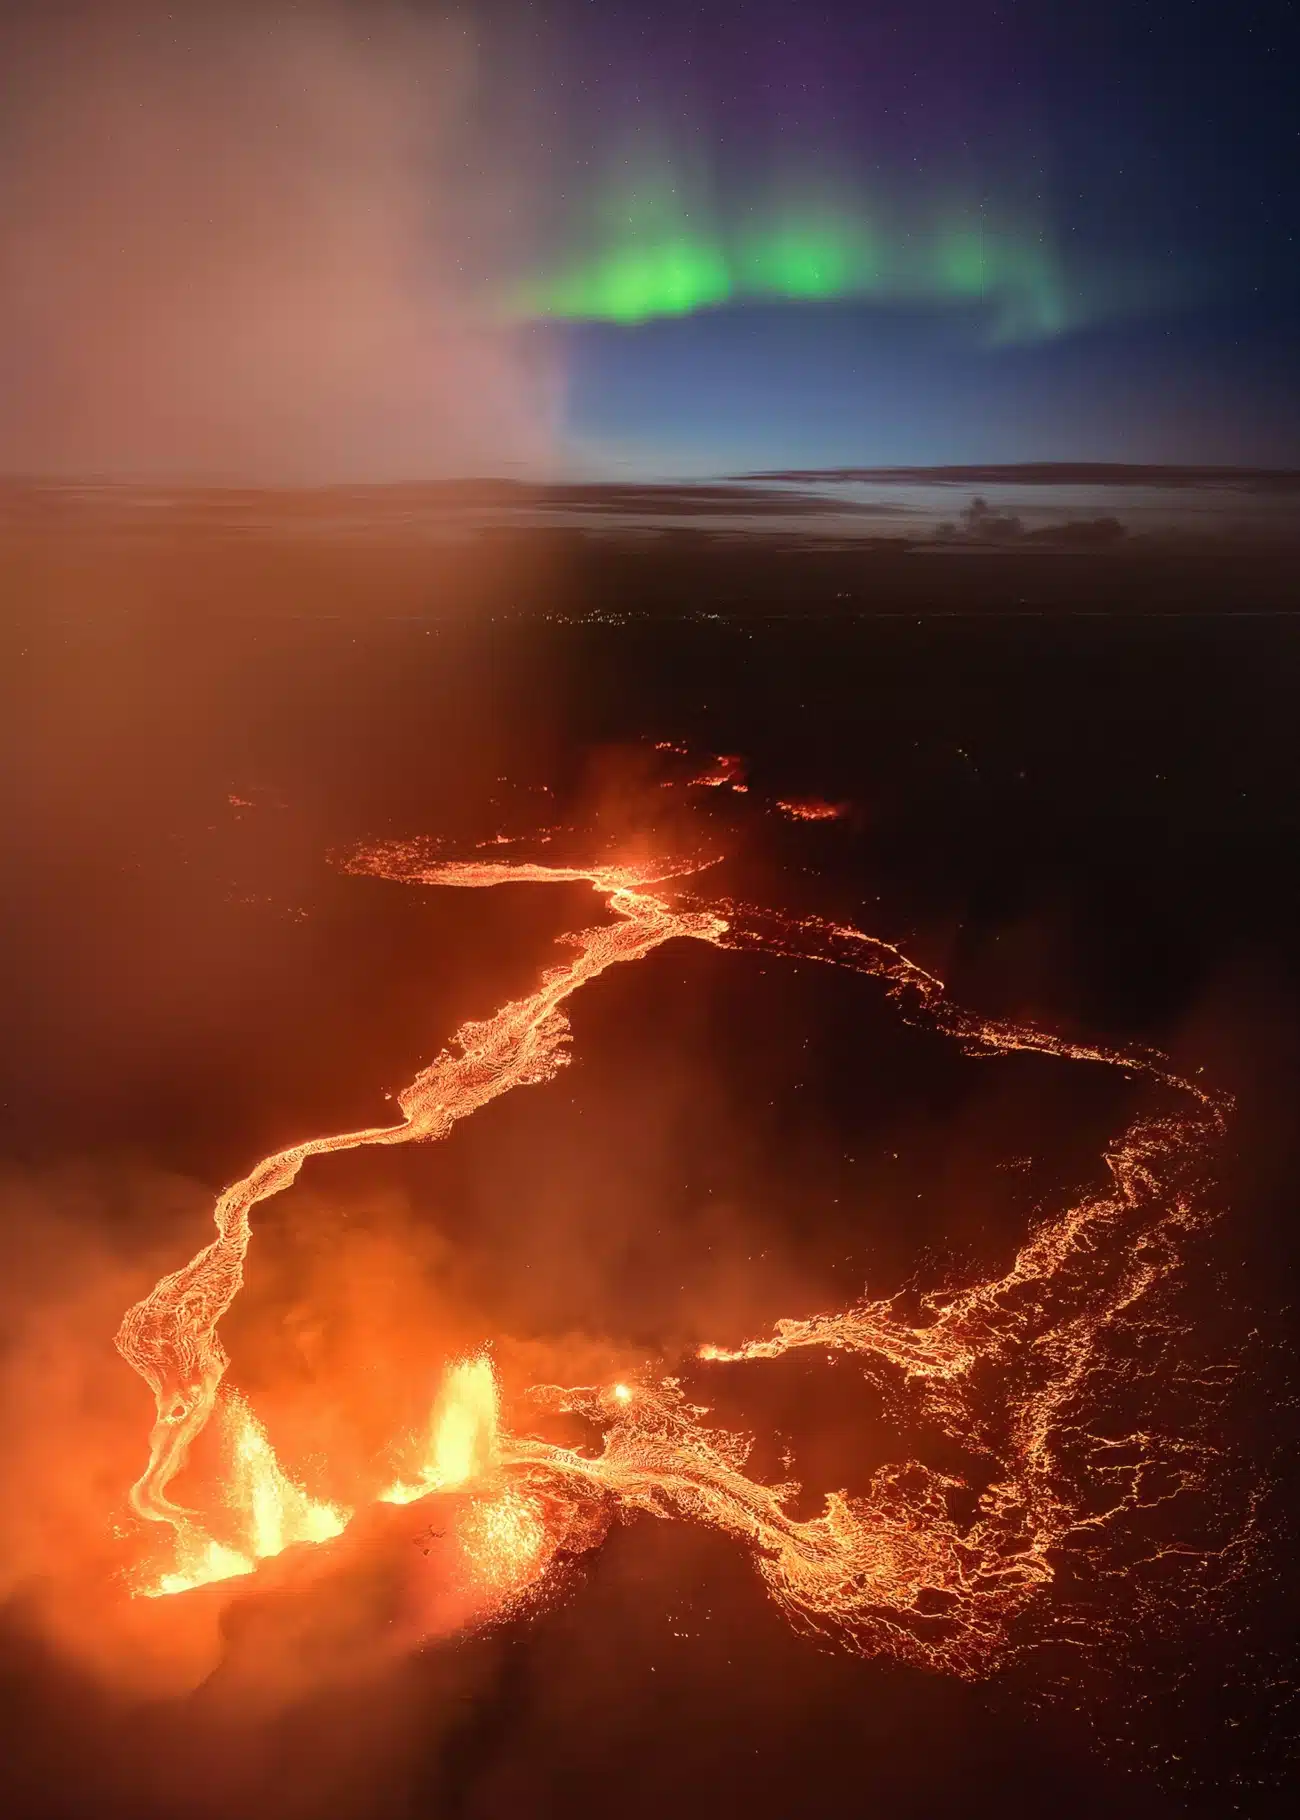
(254, 242)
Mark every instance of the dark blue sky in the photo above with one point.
(914, 230)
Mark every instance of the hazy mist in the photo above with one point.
(254, 241)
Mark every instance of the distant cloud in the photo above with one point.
(1048, 474)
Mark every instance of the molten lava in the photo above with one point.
(464, 1434)
(727, 772)
(810, 809)
(1016, 1368)
(267, 1510)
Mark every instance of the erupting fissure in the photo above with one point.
(922, 1566)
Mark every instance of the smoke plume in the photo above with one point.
(255, 241)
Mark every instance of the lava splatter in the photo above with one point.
(1012, 1367)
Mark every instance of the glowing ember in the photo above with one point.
(1016, 1368)
(506, 1537)
(725, 773)
(810, 809)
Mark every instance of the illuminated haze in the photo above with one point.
(235, 246)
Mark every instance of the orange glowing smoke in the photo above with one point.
(918, 1567)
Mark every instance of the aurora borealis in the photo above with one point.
(679, 202)
(408, 238)
(940, 228)
(667, 268)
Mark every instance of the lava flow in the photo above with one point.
(1020, 1369)
(809, 809)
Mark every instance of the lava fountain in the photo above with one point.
(1016, 1368)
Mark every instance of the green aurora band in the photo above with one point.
(669, 270)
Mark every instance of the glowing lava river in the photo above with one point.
(1019, 1369)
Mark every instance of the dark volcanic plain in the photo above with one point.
(1072, 778)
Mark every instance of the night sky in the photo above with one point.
(916, 230)
(395, 239)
